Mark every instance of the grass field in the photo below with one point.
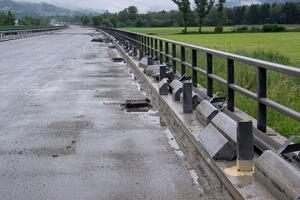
(283, 48)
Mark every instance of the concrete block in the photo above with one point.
(281, 178)
(176, 89)
(163, 87)
(205, 112)
(226, 125)
(151, 69)
(145, 61)
(130, 53)
(155, 76)
(170, 75)
(218, 147)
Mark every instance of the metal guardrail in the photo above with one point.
(153, 46)
(13, 32)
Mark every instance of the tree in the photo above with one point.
(202, 8)
(7, 18)
(220, 9)
(97, 20)
(132, 13)
(184, 7)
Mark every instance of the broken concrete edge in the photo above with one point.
(197, 145)
(282, 179)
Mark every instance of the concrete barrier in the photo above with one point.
(282, 179)
(205, 112)
(226, 125)
(176, 88)
(151, 69)
(145, 62)
(163, 87)
(218, 147)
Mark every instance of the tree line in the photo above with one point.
(8, 19)
(206, 12)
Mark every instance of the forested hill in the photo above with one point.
(39, 9)
(233, 3)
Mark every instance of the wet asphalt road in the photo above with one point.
(63, 134)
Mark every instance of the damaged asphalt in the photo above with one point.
(63, 134)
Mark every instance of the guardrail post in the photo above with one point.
(144, 44)
(261, 93)
(194, 65)
(152, 52)
(148, 46)
(187, 97)
(156, 47)
(230, 80)
(135, 52)
(209, 70)
(167, 53)
(245, 151)
(182, 57)
(160, 52)
(162, 72)
(173, 58)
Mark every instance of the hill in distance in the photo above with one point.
(41, 9)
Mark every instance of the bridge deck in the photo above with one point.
(63, 134)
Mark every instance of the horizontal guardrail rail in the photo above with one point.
(13, 32)
(159, 47)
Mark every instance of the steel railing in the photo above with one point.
(13, 32)
(159, 47)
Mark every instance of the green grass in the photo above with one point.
(173, 30)
(286, 44)
(283, 48)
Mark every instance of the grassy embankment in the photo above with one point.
(283, 48)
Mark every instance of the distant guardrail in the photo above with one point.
(10, 32)
(159, 47)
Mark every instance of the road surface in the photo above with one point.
(63, 134)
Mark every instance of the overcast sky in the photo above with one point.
(112, 5)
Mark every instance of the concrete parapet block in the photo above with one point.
(151, 69)
(163, 87)
(145, 62)
(205, 112)
(155, 76)
(176, 89)
(170, 75)
(281, 178)
(226, 125)
(218, 147)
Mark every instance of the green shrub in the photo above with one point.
(273, 28)
(219, 29)
(242, 29)
(255, 30)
